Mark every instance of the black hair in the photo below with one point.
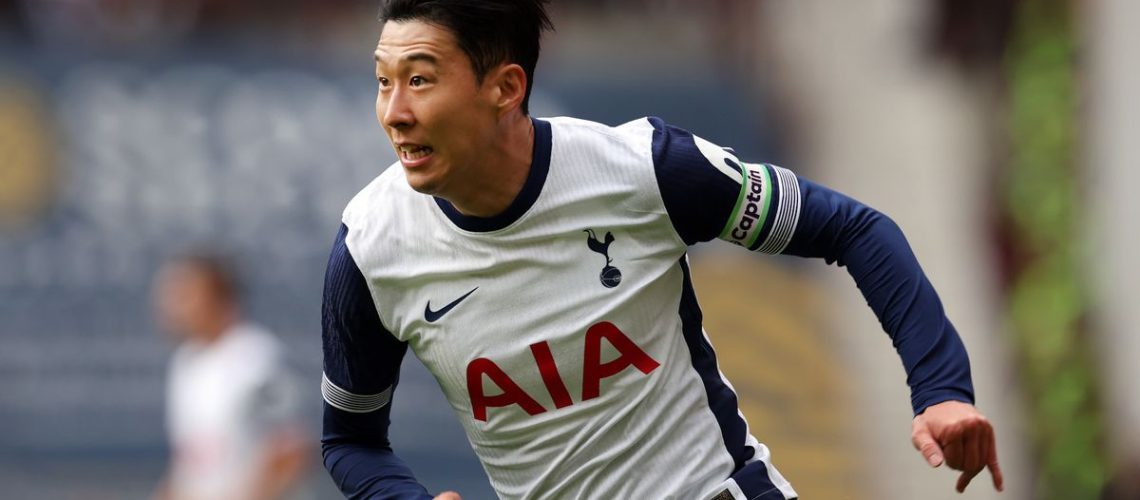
(490, 32)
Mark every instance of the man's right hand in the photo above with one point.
(448, 495)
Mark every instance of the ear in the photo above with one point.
(508, 87)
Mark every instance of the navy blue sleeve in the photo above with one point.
(709, 193)
(361, 370)
(872, 247)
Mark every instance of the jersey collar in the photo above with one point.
(539, 166)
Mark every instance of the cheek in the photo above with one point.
(181, 309)
(172, 315)
(465, 118)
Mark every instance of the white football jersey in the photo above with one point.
(565, 332)
(223, 399)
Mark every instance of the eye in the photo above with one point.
(416, 81)
(383, 81)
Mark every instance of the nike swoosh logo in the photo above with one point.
(431, 316)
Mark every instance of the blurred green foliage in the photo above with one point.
(1048, 299)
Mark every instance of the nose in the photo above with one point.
(394, 110)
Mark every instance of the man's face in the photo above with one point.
(183, 297)
(438, 117)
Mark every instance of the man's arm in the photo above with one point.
(273, 409)
(871, 246)
(361, 369)
(284, 463)
(709, 193)
(946, 428)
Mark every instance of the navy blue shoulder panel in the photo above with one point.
(698, 196)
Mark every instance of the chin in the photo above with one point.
(423, 183)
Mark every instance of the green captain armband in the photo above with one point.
(766, 210)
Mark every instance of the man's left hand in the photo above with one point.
(959, 435)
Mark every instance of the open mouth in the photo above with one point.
(412, 152)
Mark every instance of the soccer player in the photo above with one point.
(232, 408)
(538, 269)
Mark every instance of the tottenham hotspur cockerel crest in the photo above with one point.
(610, 275)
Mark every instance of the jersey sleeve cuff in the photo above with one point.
(926, 400)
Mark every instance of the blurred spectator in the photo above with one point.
(232, 409)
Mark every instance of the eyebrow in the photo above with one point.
(413, 57)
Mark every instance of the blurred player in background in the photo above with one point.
(232, 406)
(538, 269)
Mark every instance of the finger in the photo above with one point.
(995, 471)
(953, 455)
(992, 463)
(985, 447)
(964, 480)
(951, 442)
(925, 444)
(971, 451)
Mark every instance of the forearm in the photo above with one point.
(360, 459)
(285, 464)
(363, 471)
(908, 308)
(877, 256)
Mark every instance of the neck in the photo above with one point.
(501, 173)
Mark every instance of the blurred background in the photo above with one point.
(999, 134)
